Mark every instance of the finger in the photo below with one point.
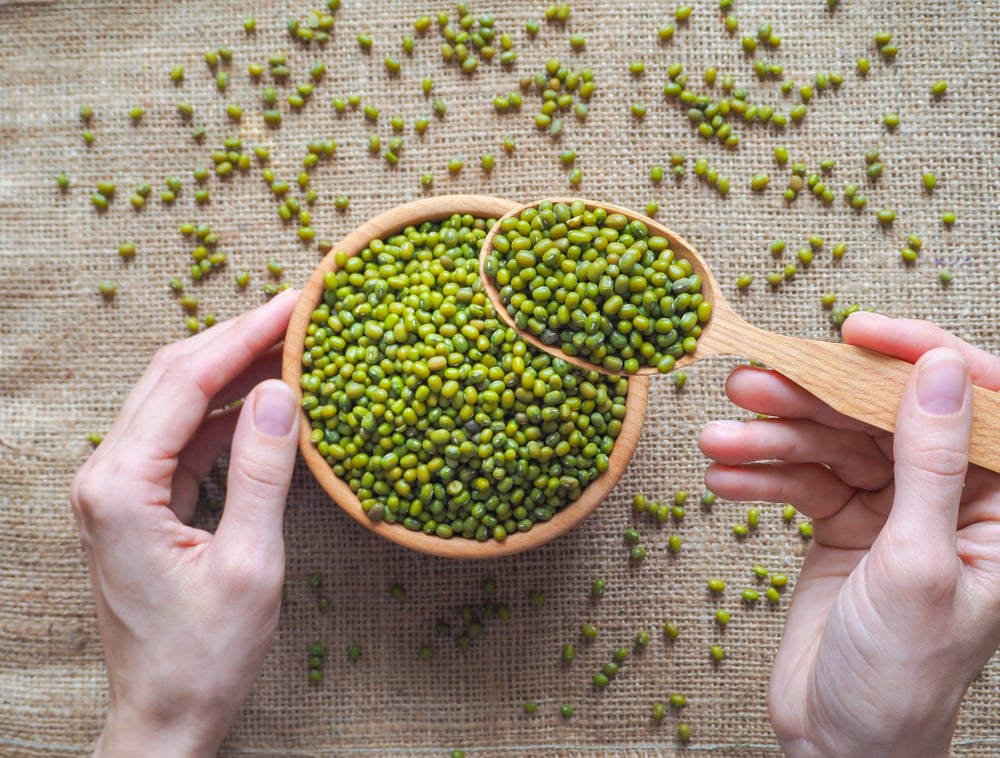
(764, 391)
(176, 484)
(811, 488)
(978, 499)
(177, 403)
(266, 366)
(170, 353)
(932, 453)
(118, 493)
(196, 461)
(260, 469)
(111, 480)
(908, 339)
(214, 437)
(852, 456)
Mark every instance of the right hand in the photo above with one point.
(897, 607)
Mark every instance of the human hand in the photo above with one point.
(186, 617)
(897, 606)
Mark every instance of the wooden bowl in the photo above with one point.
(390, 222)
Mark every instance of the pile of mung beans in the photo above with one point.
(598, 285)
(437, 415)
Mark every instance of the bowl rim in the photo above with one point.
(389, 222)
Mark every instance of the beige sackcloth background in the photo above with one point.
(68, 358)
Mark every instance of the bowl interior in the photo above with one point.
(390, 222)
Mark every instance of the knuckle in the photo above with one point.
(253, 573)
(271, 577)
(100, 490)
(941, 582)
(947, 462)
(177, 364)
(88, 491)
(933, 581)
(166, 356)
(922, 571)
(934, 454)
(261, 478)
(193, 369)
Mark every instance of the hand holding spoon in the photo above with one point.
(857, 382)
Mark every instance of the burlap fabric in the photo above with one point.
(69, 357)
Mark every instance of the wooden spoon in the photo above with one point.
(855, 381)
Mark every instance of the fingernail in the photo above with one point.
(725, 425)
(274, 409)
(941, 385)
(860, 315)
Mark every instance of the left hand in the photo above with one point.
(186, 616)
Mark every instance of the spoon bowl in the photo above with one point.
(855, 381)
(682, 249)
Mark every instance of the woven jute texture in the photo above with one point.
(68, 357)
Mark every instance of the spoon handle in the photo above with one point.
(855, 381)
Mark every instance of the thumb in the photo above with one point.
(931, 451)
(260, 468)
